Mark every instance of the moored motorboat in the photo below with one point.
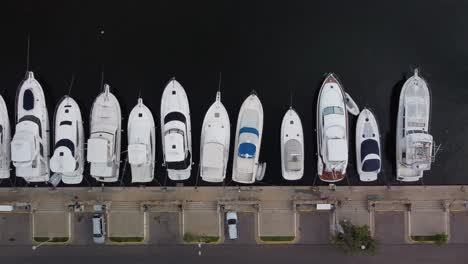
(351, 105)
(5, 138)
(332, 131)
(292, 146)
(141, 143)
(68, 156)
(246, 168)
(368, 149)
(30, 144)
(103, 152)
(414, 144)
(176, 131)
(214, 142)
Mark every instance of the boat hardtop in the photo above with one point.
(368, 151)
(5, 138)
(68, 156)
(176, 131)
(215, 139)
(30, 144)
(292, 146)
(104, 142)
(141, 143)
(332, 131)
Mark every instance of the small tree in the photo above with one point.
(441, 239)
(355, 239)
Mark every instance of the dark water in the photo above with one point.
(270, 46)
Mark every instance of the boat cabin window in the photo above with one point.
(66, 123)
(333, 110)
(1, 134)
(28, 100)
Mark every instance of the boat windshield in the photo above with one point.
(333, 110)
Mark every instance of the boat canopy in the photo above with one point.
(249, 130)
(293, 151)
(371, 163)
(63, 160)
(23, 147)
(213, 155)
(99, 150)
(337, 149)
(138, 154)
(174, 145)
(369, 146)
(247, 150)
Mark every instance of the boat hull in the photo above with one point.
(410, 89)
(106, 126)
(292, 146)
(32, 122)
(174, 101)
(244, 171)
(367, 129)
(68, 127)
(5, 138)
(141, 133)
(325, 168)
(214, 143)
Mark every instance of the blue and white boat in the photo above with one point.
(246, 168)
(368, 151)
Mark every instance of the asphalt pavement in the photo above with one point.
(228, 254)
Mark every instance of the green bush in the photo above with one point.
(126, 239)
(277, 238)
(438, 239)
(200, 238)
(355, 239)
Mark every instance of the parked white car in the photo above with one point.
(232, 222)
(99, 228)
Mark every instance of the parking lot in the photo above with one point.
(390, 227)
(164, 228)
(458, 227)
(15, 229)
(314, 227)
(246, 229)
(82, 229)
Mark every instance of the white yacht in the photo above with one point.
(246, 167)
(5, 155)
(368, 150)
(68, 157)
(30, 144)
(104, 141)
(141, 143)
(214, 142)
(332, 131)
(413, 143)
(176, 131)
(292, 146)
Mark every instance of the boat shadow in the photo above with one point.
(390, 142)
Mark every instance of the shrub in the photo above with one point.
(355, 239)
